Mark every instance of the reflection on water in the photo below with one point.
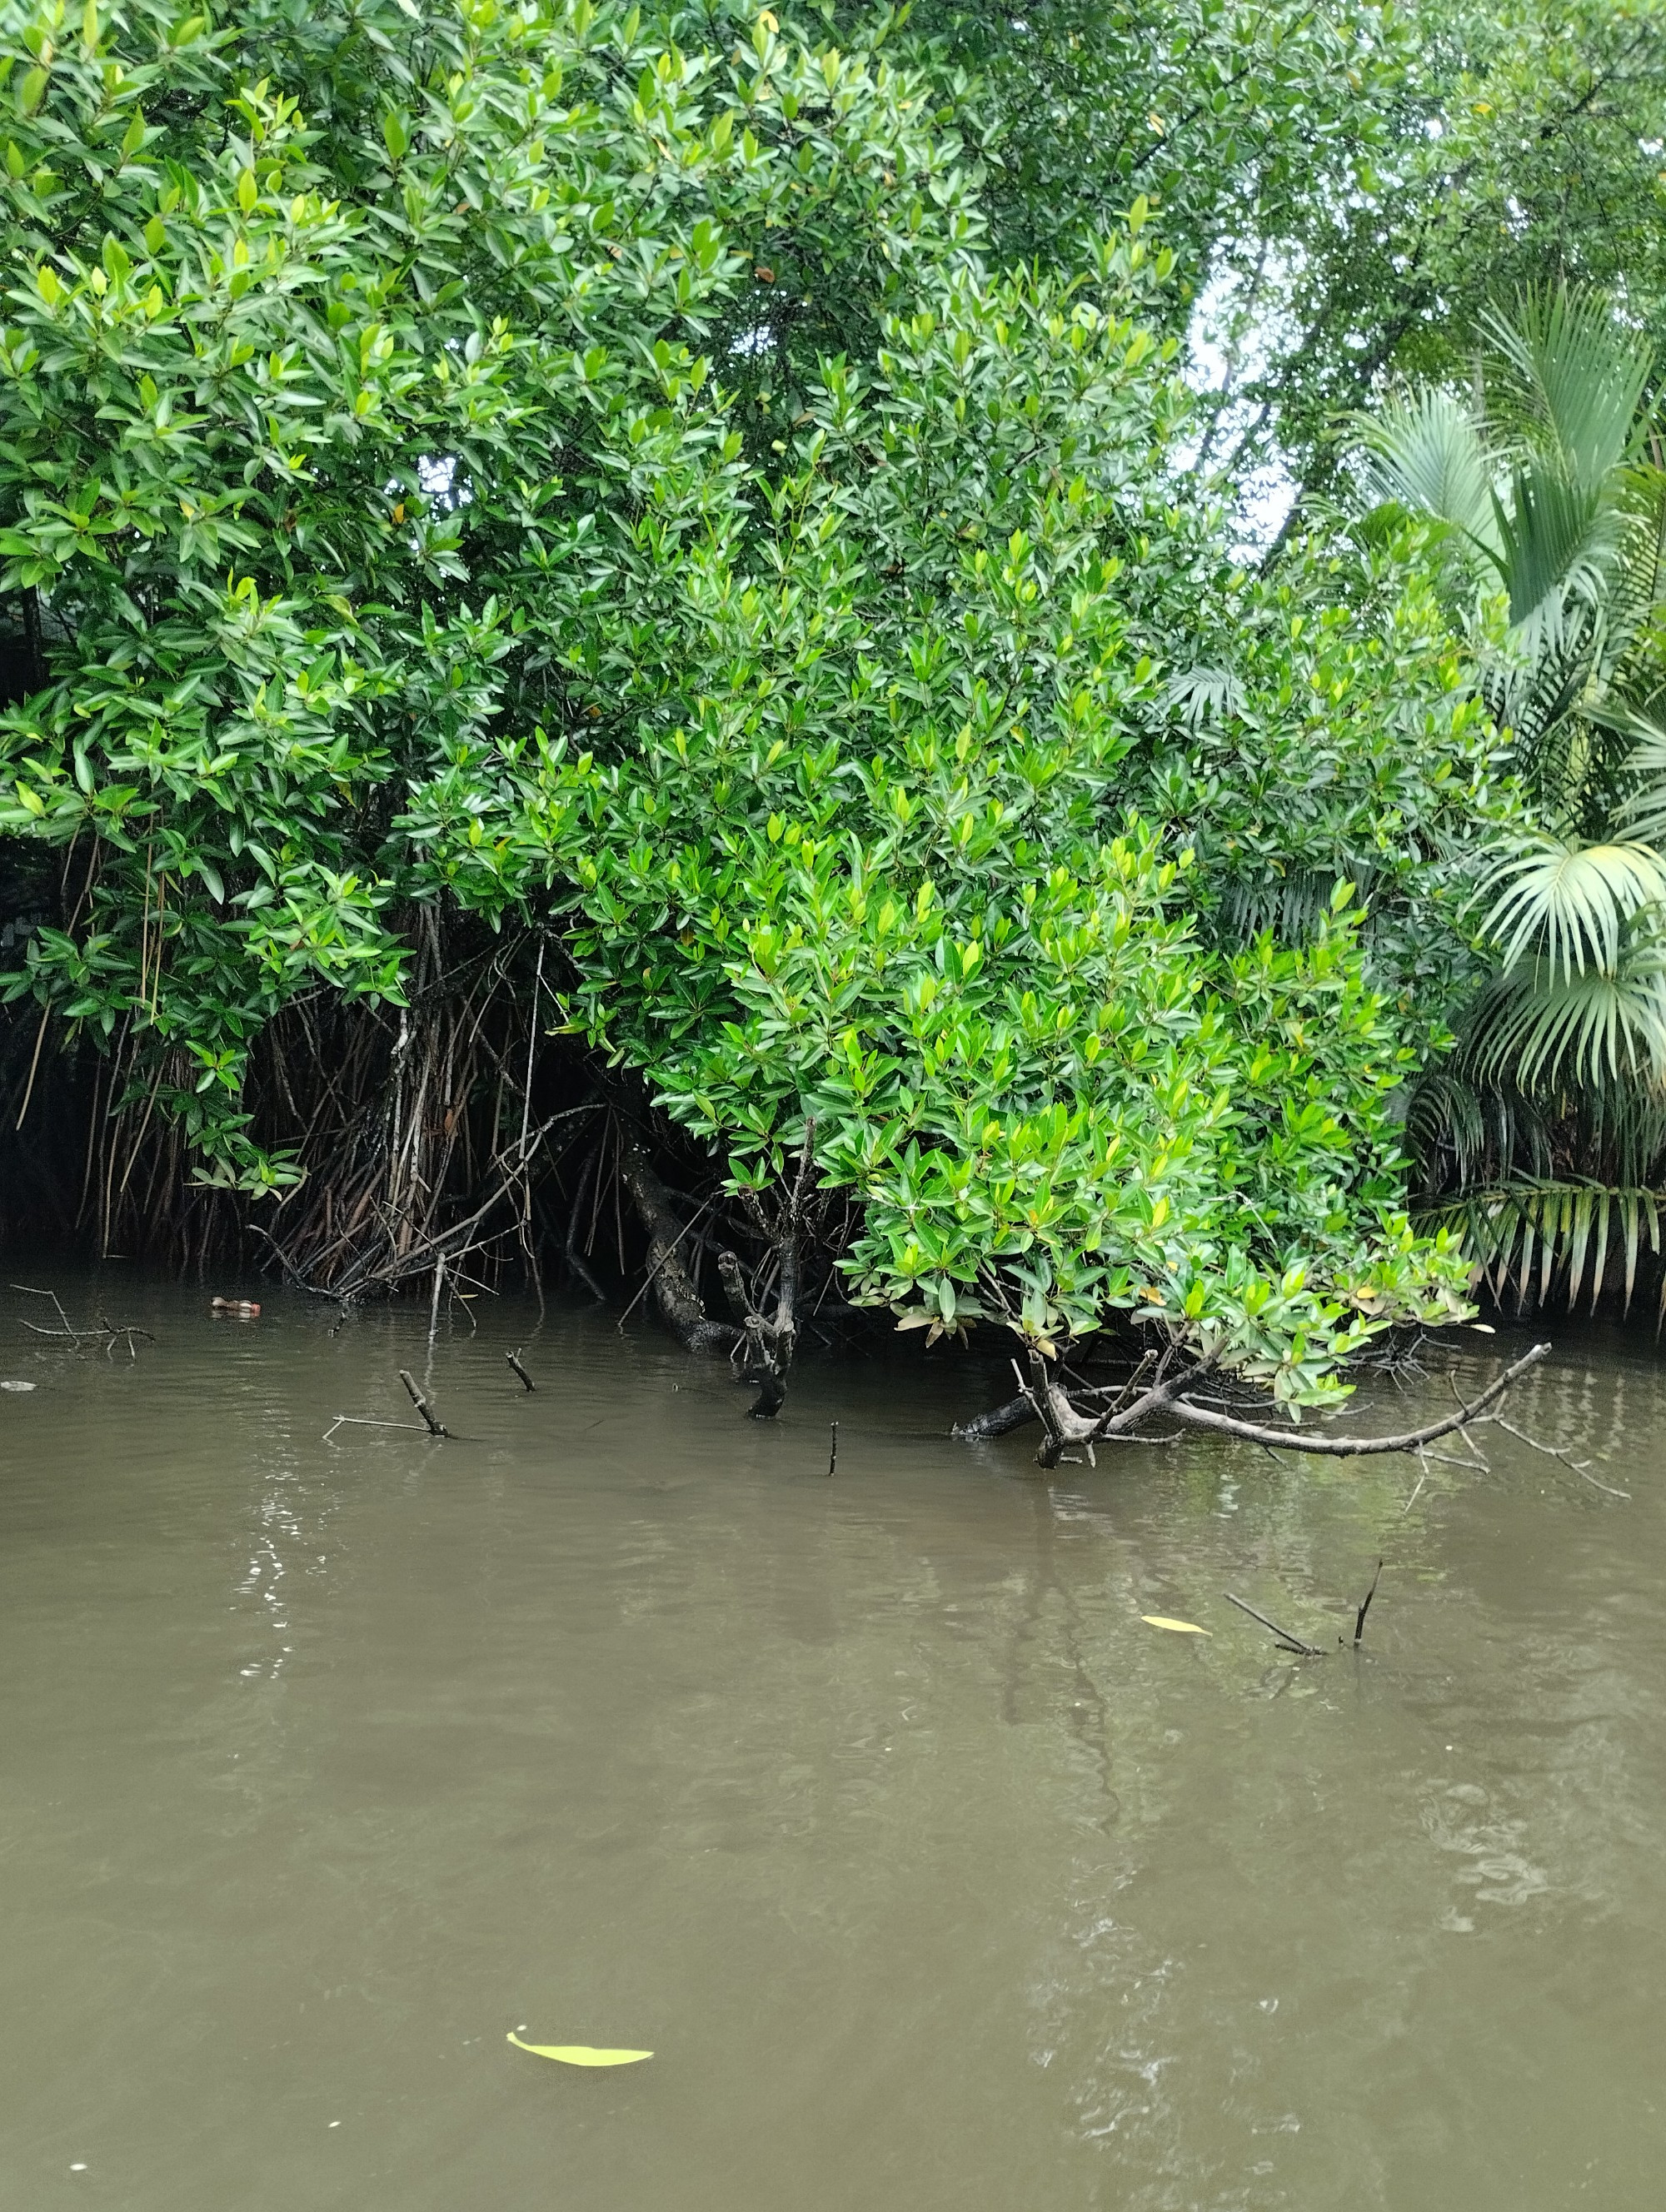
(933, 1877)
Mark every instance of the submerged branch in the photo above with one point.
(999, 1421)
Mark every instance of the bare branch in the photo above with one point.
(1289, 1641)
(435, 1426)
(1579, 1467)
(1293, 1439)
(1360, 1624)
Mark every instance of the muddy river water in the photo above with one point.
(935, 1879)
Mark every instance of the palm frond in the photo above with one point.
(1643, 810)
(1460, 1125)
(1293, 906)
(1537, 1028)
(1574, 376)
(1536, 685)
(1203, 695)
(1621, 1135)
(1557, 542)
(1638, 588)
(1524, 1235)
(1569, 902)
(1427, 450)
(1446, 1112)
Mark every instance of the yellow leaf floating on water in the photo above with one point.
(1180, 1627)
(579, 2054)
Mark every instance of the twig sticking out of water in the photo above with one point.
(107, 1332)
(1579, 1467)
(358, 1421)
(833, 1455)
(29, 1292)
(115, 1330)
(1359, 1625)
(435, 1426)
(1290, 1642)
(513, 1358)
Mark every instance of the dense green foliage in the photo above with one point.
(1348, 188)
(938, 842)
(252, 345)
(428, 504)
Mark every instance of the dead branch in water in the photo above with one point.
(1070, 1431)
(1579, 1467)
(1287, 1639)
(1410, 1440)
(1365, 1608)
(108, 1334)
(999, 1421)
(359, 1421)
(435, 1426)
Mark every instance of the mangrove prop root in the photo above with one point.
(764, 1353)
(675, 1291)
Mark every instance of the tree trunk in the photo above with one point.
(675, 1290)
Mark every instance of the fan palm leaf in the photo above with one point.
(1568, 903)
(1533, 1028)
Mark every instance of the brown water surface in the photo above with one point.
(935, 1879)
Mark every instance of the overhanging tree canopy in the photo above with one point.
(958, 845)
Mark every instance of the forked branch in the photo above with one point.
(1043, 1397)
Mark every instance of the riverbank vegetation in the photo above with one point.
(631, 635)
